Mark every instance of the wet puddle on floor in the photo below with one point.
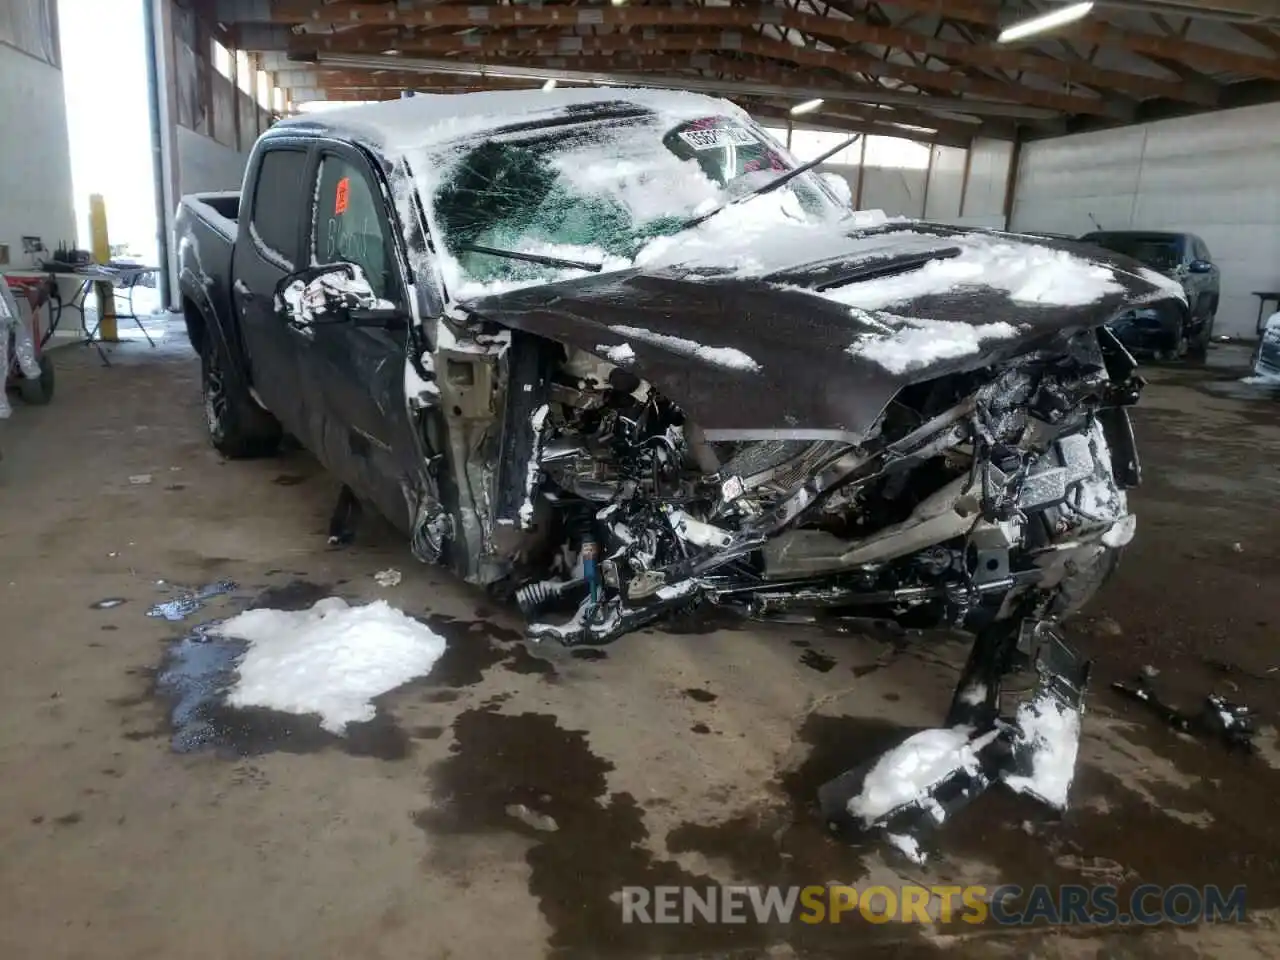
(200, 667)
(818, 661)
(182, 606)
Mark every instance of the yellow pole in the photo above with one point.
(101, 254)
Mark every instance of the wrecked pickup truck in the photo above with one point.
(617, 354)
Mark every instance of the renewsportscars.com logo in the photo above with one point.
(1006, 905)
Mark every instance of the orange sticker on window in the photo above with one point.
(341, 194)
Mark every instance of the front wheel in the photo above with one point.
(1199, 346)
(238, 427)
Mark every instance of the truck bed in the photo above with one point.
(220, 210)
(205, 230)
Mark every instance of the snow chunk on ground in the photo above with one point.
(622, 354)
(907, 846)
(919, 342)
(726, 357)
(906, 774)
(331, 660)
(1029, 274)
(1052, 732)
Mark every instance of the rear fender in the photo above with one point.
(212, 330)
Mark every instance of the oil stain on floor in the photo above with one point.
(587, 842)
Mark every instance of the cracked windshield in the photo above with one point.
(597, 192)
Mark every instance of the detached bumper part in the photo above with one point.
(910, 791)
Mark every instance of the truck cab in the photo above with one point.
(309, 201)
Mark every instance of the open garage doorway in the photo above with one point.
(104, 54)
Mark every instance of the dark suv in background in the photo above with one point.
(1166, 331)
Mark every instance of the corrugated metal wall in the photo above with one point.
(1217, 175)
(972, 197)
(945, 190)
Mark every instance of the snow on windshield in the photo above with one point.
(598, 192)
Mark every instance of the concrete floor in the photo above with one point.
(670, 758)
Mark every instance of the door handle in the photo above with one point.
(242, 288)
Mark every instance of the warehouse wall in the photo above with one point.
(1217, 175)
(898, 191)
(35, 155)
(205, 164)
(988, 184)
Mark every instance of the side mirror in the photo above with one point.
(840, 187)
(1201, 266)
(334, 293)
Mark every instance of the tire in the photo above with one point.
(39, 391)
(238, 428)
(1198, 348)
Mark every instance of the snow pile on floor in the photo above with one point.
(1051, 732)
(1028, 273)
(331, 660)
(916, 342)
(719, 356)
(906, 775)
(907, 846)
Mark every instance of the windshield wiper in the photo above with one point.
(531, 257)
(772, 185)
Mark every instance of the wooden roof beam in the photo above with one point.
(745, 17)
(850, 92)
(1203, 55)
(844, 63)
(840, 123)
(757, 71)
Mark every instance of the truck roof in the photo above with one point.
(427, 119)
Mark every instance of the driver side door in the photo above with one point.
(359, 424)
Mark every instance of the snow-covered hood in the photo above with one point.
(819, 348)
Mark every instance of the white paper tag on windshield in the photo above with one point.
(715, 137)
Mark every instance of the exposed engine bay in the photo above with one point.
(981, 496)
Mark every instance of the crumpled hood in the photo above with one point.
(818, 347)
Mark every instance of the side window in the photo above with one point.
(348, 224)
(276, 207)
(1202, 251)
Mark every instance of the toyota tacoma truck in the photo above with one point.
(618, 355)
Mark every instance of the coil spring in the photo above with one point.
(534, 596)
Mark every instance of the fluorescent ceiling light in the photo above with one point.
(1046, 21)
(550, 84)
(807, 107)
